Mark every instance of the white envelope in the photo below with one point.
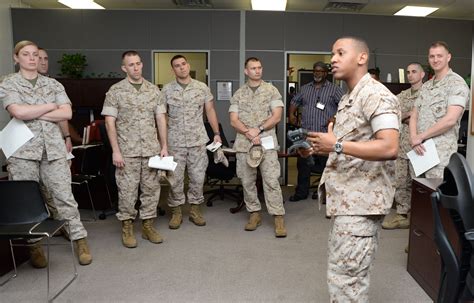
(267, 142)
(213, 146)
(163, 163)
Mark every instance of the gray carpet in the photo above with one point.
(217, 263)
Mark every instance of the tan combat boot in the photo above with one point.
(395, 222)
(149, 232)
(280, 230)
(83, 253)
(128, 238)
(255, 220)
(195, 215)
(37, 257)
(176, 218)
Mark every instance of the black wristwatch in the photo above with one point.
(338, 148)
(261, 129)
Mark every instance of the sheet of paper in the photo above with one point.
(69, 156)
(267, 142)
(213, 146)
(163, 163)
(429, 159)
(14, 136)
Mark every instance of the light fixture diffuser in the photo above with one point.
(81, 4)
(416, 11)
(268, 5)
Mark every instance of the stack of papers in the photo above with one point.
(213, 146)
(163, 163)
(14, 136)
(429, 159)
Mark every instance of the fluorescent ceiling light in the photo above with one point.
(81, 4)
(416, 11)
(268, 5)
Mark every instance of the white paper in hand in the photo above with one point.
(429, 159)
(213, 146)
(163, 163)
(14, 136)
(267, 142)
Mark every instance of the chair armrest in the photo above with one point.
(469, 235)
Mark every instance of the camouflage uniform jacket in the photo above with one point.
(135, 117)
(407, 100)
(185, 109)
(350, 185)
(14, 89)
(254, 108)
(433, 104)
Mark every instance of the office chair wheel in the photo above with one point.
(102, 216)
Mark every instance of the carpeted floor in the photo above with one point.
(217, 263)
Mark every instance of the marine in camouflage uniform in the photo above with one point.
(255, 108)
(135, 112)
(358, 192)
(43, 158)
(186, 100)
(403, 179)
(402, 200)
(132, 111)
(432, 105)
(357, 183)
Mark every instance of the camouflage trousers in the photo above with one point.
(195, 160)
(270, 171)
(353, 241)
(56, 177)
(49, 201)
(402, 186)
(133, 175)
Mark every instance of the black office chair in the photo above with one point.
(218, 174)
(91, 167)
(23, 215)
(456, 194)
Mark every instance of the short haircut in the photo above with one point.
(22, 44)
(360, 43)
(321, 65)
(253, 59)
(420, 67)
(440, 44)
(374, 71)
(176, 57)
(129, 53)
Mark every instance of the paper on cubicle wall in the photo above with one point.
(163, 163)
(429, 159)
(14, 136)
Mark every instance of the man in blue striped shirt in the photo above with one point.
(319, 100)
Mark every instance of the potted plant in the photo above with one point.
(73, 65)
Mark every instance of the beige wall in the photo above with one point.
(164, 74)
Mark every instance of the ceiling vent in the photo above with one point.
(193, 3)
(345, 5)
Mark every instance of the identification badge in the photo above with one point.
(320, 106)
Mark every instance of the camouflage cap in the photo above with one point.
(255, 155)
(219, 157)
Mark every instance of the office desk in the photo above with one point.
(424, 261)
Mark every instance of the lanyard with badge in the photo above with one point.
(319, 105)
